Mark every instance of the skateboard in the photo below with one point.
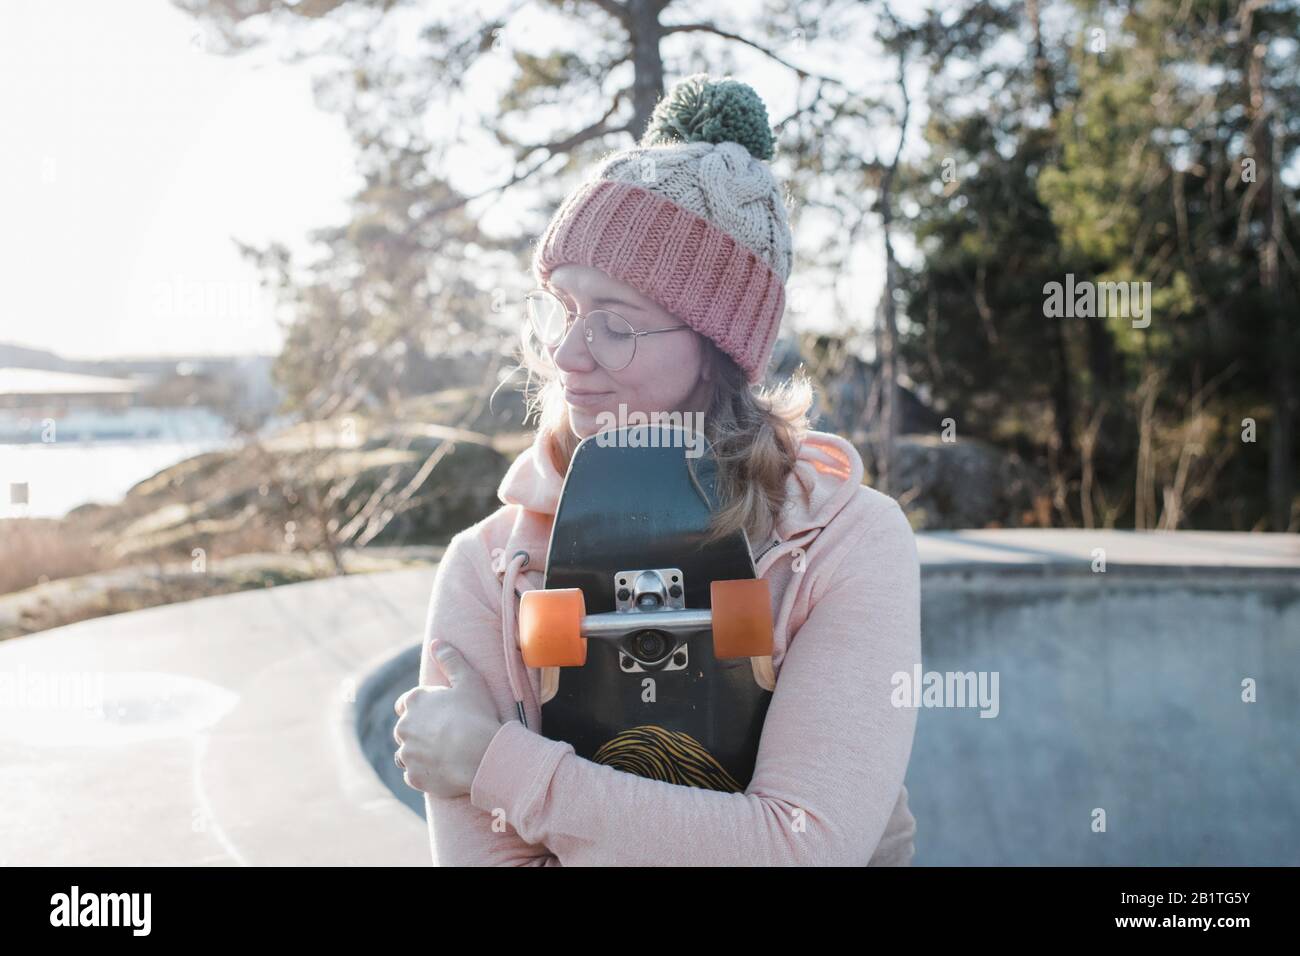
(651, 639)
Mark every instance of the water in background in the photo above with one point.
(48, 479)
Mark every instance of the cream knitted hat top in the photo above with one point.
(691, 217)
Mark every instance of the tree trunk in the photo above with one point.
(888, 358)
(647, 64)
(1264, 145)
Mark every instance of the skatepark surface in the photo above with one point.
(1142, 714)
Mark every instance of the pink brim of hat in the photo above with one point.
(719, 287)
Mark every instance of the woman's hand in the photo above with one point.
(443, 732)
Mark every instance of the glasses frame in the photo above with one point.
(587, 334)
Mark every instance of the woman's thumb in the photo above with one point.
(449, 660)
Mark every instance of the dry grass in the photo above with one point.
(36, 550)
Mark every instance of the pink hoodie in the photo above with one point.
(828, 783)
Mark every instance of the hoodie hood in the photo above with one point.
(825, 478)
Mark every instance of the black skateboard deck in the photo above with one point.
(654, 702)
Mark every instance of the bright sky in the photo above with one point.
(131, 158)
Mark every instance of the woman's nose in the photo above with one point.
(572, 354)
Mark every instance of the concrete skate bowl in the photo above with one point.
(375, 719)
(1119, 693)
(1121, 736)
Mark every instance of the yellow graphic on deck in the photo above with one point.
(667, 755)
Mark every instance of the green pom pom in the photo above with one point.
(700, 110)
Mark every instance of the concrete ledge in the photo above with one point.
(1051, 551)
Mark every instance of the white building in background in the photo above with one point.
(57, 407)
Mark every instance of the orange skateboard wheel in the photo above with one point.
(742, 618)
(550, 628)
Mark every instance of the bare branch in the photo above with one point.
(596, 129)
(770, 54)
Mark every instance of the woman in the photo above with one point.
(681, 248)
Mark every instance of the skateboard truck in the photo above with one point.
(651, 618)
(652, 648)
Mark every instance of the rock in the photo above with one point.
(280, 493)
(844, 403)
(962, 484)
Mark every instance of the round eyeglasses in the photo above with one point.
(610, 338)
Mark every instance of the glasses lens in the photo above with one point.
(548, 316)
(612, 341)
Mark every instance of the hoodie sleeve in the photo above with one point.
(459, 833)
(831, 761)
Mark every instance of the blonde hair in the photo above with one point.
(754, 435)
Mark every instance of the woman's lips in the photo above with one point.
(585, 399)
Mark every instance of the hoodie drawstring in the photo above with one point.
(518, 561)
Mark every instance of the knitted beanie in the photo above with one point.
(691, 217)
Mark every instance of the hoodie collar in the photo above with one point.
(825, 478)
(532, 480)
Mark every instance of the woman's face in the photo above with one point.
(669, 372)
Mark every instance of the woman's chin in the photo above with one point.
(585, 422)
